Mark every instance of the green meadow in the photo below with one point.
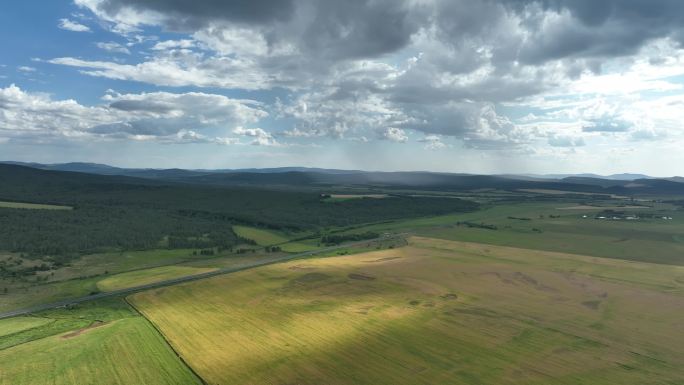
(553, 227)
(32, 206)
(148, 276)
(97, 343)
(264, 237)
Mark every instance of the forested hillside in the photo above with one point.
(112, 212)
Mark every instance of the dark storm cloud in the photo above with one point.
(333, 30)
(605, 28)
(367, 28)
(360, 28)
(192, 15)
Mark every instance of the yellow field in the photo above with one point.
(435, 312)
(147, 276)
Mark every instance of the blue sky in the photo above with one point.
(491, 86)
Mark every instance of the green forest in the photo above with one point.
(119, 213)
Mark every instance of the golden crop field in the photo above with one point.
(434, 312)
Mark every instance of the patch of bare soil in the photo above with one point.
(449, 296)
(593, 305)
(382, 259)
(78, 332)
(300, 267)
(521, 277)
(360, 277)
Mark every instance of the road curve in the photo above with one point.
(174, 281)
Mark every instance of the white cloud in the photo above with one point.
(26, 69)
(433, 142)
(566, 141)
(74, 26)
(394, 134)
(444, 69)
(113, 47)
(159, 116)
(260, 137)
(184, 69)
(174, 44)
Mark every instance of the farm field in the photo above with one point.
(340, 197)
(103, 343)
(86, 274)
(435, 311)
(147, 276)
(270, 238)
(546, 226)
(32, 206)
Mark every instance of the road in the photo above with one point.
(169, 282)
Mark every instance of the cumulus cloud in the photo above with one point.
(442, 68)
(566, 141)
(394, 134)
(433, 142)
(159, 116)
(258, 135)
(74, 26)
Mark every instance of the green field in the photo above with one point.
(434, 312)
(147, 276)
(553, 228)
(99, 343)
(270, 238)
(13, 326)
(84, 275)
(32, 206)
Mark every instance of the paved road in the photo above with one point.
(227, 270)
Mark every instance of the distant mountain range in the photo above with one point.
(293, 177)
(103, 169)
(625, 176)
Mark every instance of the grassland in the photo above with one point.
(341, 197)
(546, 226)
(271, 238)
(147, 276)
(434, 312)
(100, 343)
(85, 275)
(32, 206)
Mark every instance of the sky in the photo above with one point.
(477, 86)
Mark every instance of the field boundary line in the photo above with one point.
(166, 340)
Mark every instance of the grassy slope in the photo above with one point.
(81, 277)
(67, 284)
(146, 276)
(32, 206)
(17, 325)
(390, 317)
(125, 349)
(269, 238)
